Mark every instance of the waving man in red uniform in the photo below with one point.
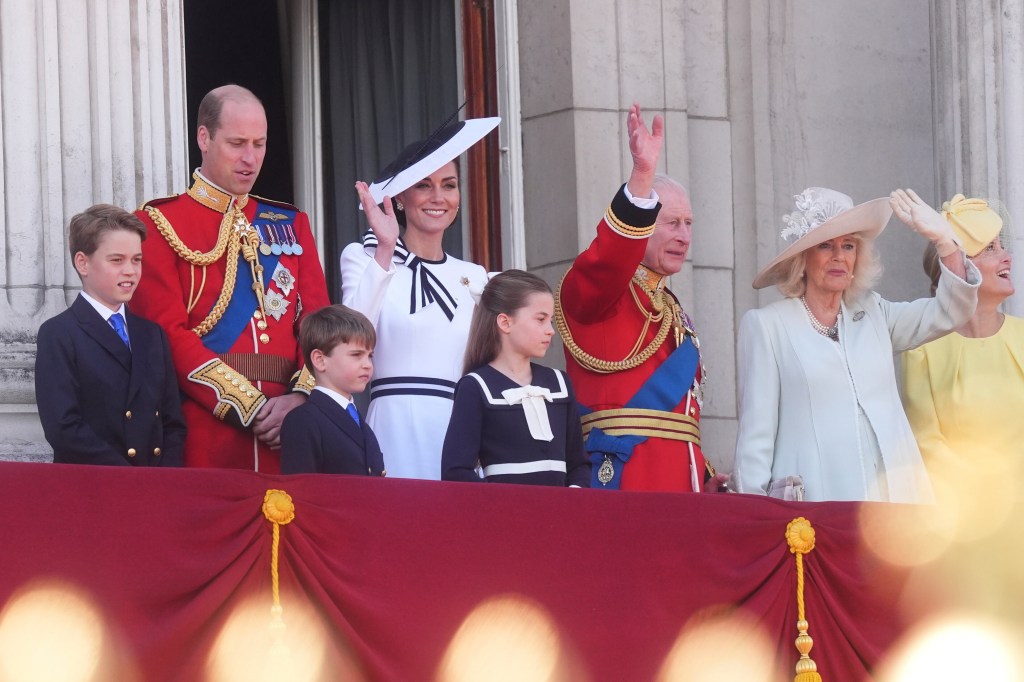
(228, 277)
(631, 350)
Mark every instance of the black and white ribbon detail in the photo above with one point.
(426, 287)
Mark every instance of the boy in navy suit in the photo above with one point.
(326, 434)
(105, 384)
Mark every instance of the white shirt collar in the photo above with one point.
(335, 396)
(103, 310)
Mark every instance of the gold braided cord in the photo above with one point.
(226, 291)
(800, 538)
(229, 241)
(190, 255)
(634, 358)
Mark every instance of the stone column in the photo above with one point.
(978, 75)
(92, 101)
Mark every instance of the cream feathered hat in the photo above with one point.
(821, 214)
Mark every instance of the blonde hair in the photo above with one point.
(866, 271)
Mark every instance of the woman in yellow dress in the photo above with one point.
(964, 392)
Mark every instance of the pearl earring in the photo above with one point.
(400, 205)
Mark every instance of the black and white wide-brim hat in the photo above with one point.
(420, 159)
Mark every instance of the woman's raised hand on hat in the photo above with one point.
(383, 223)
(924, 220)
(645, 148)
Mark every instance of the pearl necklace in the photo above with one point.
(828, 332)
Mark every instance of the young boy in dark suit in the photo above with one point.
(326, 434)
(105, 385)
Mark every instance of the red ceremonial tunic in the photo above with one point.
(598, 302)
(222, 392)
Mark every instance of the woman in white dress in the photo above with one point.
(417, 296)
(820, 415)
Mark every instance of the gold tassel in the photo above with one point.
(800, 537)
(280, 511)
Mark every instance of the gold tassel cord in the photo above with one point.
(279, 509)
(800, 537)
(636, 357)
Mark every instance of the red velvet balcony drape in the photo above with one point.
(393, 567)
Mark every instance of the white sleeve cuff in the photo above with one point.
(640, 202)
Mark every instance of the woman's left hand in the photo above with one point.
(924, 220)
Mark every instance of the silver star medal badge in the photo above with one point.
(284, 279)
(606, 472)
(699, 385)
(276, 304)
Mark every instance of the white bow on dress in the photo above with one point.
(532, 399)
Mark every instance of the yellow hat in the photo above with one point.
(974, 223)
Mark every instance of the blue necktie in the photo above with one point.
(353, 412)
(117, 322)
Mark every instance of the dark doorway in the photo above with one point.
(389, 77)
(231, 42)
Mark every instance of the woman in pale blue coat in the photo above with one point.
(820, 414)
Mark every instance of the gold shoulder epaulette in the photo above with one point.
(156, 202)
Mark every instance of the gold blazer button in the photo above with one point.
(131, 452)
(156, 452)
(128, 414)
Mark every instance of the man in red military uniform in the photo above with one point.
(227, 277)
(631, 350)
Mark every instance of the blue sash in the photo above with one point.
(663, 390)
(243, 301)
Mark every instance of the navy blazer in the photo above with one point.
(101, 403)
(321, 437)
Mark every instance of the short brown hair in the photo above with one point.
(213, 103)
(86, 228)
(331, 325)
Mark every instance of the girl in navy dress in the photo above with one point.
(515, 420)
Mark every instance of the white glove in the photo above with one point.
(923, 219)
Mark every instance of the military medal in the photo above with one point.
(286, 247)
(606, 472)
(276, 304)
(264, 246)
(296, 246)
(284, 279)
(274, 246)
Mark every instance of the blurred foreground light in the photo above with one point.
(504, 638)
(982, 494)
(910, 535)
(254, 646)
(957, 648)
(50, 631)
(726, 648)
